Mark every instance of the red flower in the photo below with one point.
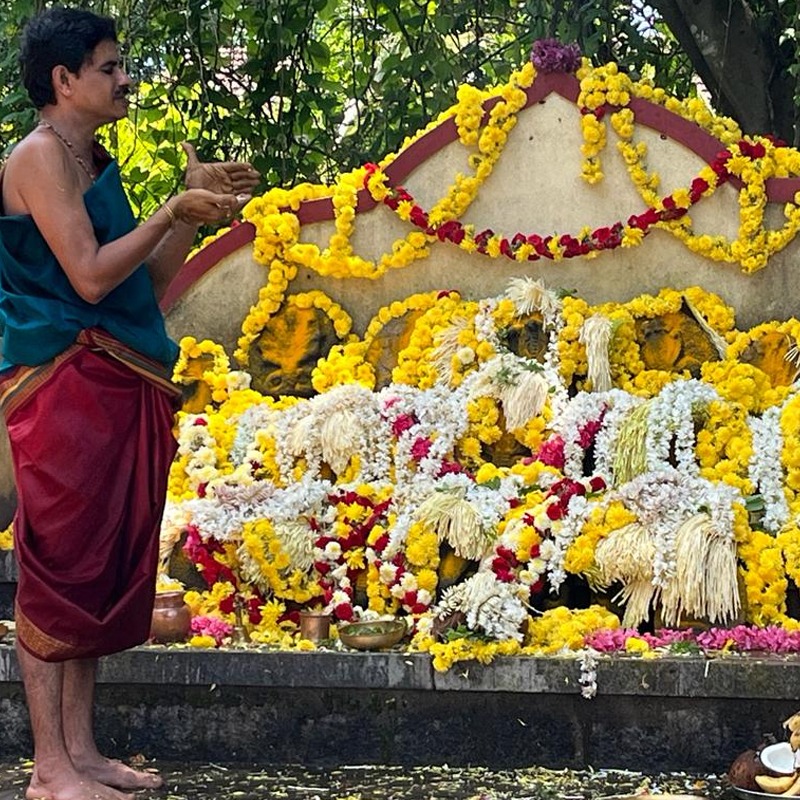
(419, 217)
(201, 421)
(587, 433)
(597, 484)
(645, 220)
(402, 423)
(537, 587)
(699, 185)
(410, 598)
(254, 609)
(451, 467)
(343, 611)
(227, 604)
(371, 169)
(551, 452)
(452, 230)
(421, 448)
(752, 150)
(508, 554)
(555, 511)
(718, 164)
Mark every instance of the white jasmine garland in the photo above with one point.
(670, 427)
(563, 533)
(619, 405)
(252, 420)
(196, 443)
(663, 500)
(332, 428)
(440, 418)
(490, 606)
(584, 407)
(587, 664)
(766, 469)
(485, 330)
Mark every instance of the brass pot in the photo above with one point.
(172, 619)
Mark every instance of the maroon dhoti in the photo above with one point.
(91, 443)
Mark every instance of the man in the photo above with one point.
(85, 389)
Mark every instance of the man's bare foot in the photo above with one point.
(114, 773)
(71, 786)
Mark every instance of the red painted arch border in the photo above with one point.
(654, 116)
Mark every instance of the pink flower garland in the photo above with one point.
(740, 639)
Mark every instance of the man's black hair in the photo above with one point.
(59, 36)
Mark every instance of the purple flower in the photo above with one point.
(550, 55)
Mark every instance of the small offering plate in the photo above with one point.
(374, 635)
(749, 794)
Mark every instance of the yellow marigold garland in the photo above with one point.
(260, 313)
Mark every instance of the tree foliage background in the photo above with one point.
(305, 89)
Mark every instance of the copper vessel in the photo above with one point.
(172, 619)
(315, 625)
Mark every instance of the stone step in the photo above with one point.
(326, 708)
(8, 583)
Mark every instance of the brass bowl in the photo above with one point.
(372, 635)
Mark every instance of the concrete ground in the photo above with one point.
(236, 782)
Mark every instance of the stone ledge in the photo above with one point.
(8, 567)
(731, 677)
(323, 708)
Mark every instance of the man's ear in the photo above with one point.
(62, 80)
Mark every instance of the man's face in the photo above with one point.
(103, 85)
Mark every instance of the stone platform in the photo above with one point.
(329, 708)
(333, 708)
(8, 583)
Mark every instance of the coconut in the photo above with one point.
(778, 758)
(743, 771)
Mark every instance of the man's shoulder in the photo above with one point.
(38, 165)
(33, 149)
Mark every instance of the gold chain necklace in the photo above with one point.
(86, 168)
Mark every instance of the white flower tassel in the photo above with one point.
(297, 540)
(489, 605)
(704, 585)
(299, 434)
(446, 346)
(595, 335)
(456, 521)
(524, 399)
(529, 295)
(626, 556)
(340, 436)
